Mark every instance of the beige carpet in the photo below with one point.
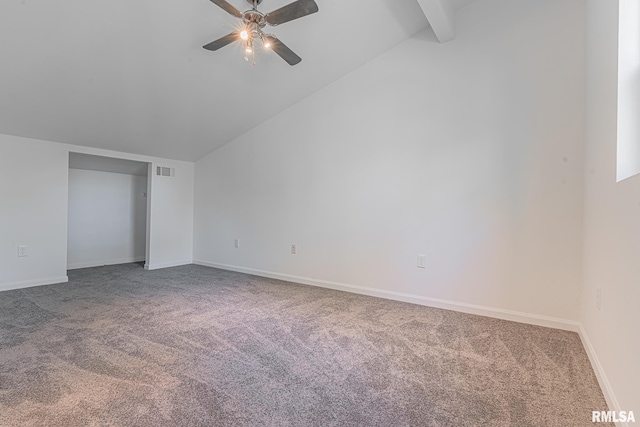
(195, 346)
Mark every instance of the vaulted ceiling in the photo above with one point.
(132, 76)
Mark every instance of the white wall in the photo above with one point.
(107, 218)
(469, 152)
(33, 210)
(171, 219)
(612, 222)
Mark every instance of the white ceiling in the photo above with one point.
(132, 76)
(457, 4)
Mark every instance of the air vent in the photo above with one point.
(164, 171)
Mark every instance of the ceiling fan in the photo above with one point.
(253, 21)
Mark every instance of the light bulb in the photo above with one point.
(267, 45)
(244, 35)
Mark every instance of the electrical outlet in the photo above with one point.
(598, 298)
(236, 243)
(293, 249)
(422, 261)
(22, 251)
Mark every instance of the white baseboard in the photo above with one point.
(515, 316)
(605, 385)
(31, 283)
(78, 265)
(166, 265)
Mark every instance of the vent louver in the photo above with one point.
(165, 171)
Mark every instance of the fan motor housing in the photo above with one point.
(254, 17)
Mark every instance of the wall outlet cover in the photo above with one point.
(22, 251)
(422, 261)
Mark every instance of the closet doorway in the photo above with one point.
(108, 211)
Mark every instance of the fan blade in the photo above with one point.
(285, 53)
(222, 41)
(292, 11)
(226, 6)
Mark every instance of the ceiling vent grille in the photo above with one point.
(165, 171)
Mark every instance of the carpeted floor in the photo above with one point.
(195, 346)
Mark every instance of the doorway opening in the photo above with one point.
(108, 211)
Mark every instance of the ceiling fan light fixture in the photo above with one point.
(266, 43)
(253, 21)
